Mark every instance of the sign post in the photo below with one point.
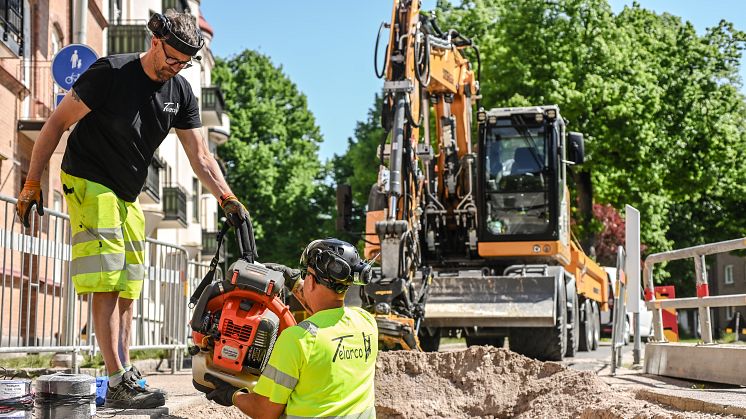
(632, 269)
(67, 65)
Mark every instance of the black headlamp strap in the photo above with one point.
(162, 25)
(182, 46)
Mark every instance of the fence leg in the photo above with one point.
(738, 326)
(638, 338)
(75, 367)
(173, 361)
(705, 324)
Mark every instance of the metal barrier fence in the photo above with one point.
(40, 311)
(703, 301)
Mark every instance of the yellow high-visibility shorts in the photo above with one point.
(108, 239)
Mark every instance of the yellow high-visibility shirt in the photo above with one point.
(325, 366)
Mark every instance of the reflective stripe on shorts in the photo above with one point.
(97, 263)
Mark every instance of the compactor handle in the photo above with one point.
(246, 245)
(245, 237)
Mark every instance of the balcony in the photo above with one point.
(180, 6)
(212, 106)
(128, 36)
(174, 207)
(11, 28)
(36, 77)
(209, 243)
(151, 191)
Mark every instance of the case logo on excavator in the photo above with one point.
(384, 292)
(447, 76)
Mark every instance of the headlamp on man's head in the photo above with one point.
(161, 26)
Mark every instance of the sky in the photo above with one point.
(326, 47)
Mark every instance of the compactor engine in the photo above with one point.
(236, 321)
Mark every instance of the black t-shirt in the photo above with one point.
(130, 116)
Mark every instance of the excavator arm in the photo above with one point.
(426, 172)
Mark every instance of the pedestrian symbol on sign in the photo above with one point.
(75, 61)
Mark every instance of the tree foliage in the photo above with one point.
(358, 166)
(659, 104)
(272, 157)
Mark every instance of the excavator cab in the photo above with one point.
(519, 196)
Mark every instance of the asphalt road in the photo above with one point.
(599, 360)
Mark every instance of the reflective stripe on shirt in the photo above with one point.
(366, 414)
(279, 377)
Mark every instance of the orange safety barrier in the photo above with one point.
(670, 317)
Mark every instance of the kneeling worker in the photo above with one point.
(324, 366)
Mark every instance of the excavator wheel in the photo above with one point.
(587, 326)
(543, 343)
(595, 315)
(573, 333)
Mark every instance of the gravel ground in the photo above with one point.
(481, 382)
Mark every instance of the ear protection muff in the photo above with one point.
(161, 26)
(330, 265)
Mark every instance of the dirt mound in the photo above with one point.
(496, 383)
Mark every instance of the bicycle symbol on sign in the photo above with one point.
(70, 80)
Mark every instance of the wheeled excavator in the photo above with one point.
(472, 236)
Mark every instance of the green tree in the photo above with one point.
(660, 105)
(272, 158)
(358, 166)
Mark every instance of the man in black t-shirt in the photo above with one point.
(124, 106)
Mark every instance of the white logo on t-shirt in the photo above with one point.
(171, 107)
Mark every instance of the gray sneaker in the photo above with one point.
(138, 376)
(129, 395)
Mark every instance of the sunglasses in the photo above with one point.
(174, 61)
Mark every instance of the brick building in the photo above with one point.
(178, 209)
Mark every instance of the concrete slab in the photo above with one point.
(713, 363)
(132, 413)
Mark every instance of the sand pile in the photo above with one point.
(496, 383)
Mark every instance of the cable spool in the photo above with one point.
(62, 395)
(16, 400)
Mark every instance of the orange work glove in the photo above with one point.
(234, 209)
(29, 196)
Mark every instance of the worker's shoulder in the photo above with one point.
(118, 61)
(303, 329)
(365, 314)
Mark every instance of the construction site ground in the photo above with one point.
(495, 383)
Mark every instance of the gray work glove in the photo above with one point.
(224, 393)
(292, 276)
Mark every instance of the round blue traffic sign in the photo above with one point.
(70, 62)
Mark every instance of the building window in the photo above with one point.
(729, 313)
(195, 199)
(11, 20)
(57, 201)
(728, 274)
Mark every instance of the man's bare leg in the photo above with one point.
(126, 307)
(106, 324)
